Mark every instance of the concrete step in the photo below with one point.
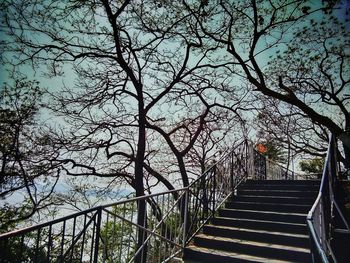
(280, 238)
(263, 215)
(283, 193)
(261, 249)
(274, 199)
(275, 207)
(280, 187)
(289, 182)
(194, 254)
(265, 221)
(261, 225)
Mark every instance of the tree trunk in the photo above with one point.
(139, 187)
(182, 168)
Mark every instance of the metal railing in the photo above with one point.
(102, 234)
(110, 233)
(266, 169)
(321, 217)
(207, 193)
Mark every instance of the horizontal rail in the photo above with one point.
(152, 232)
(90, 210)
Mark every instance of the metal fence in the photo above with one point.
(111, 233)
(104, 234)
(265, 169)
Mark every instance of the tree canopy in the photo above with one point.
(141, 93)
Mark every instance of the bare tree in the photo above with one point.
(291, 51)
(124, 69)
(28, 168)
(294, 131)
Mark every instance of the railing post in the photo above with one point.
(214, 187)
(265, 166)
(231, 171)
(286, 174)
(251, 160)
(98, 232)
(185, 217)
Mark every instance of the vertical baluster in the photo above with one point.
(62, 240)
(49, 244)
(98, 232)
(21, 247)
(131, 230)
(168, 224)
(91, 254)
(106, 238)
(186, 211)
(37, 245)
(162, 231)
(83, 240)
(73, 237)
(214, 187)
(171, 221)
(114, 239)
(231, 171)
(144, 234)
(132, 242)
(121, 233)
(181, 214)
(195, 208)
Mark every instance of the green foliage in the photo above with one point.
(118, 235)
(18, 107)
(312, 166)
(15, 250)
(24, 156)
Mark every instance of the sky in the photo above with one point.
(55, 83)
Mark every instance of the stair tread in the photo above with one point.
(298, 184)
(265, 221)
(276, 186)
(256, 221)
(262, 203)
(279, 190)
(264, 212)
(276, 197)
(260, 231)
(234, 255)
(296, 181)
(282, 182)
(255, 243)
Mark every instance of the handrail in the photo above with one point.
(319, 238)
(93, 209)
(319, 249)
(320, 217)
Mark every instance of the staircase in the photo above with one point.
(265, 221)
